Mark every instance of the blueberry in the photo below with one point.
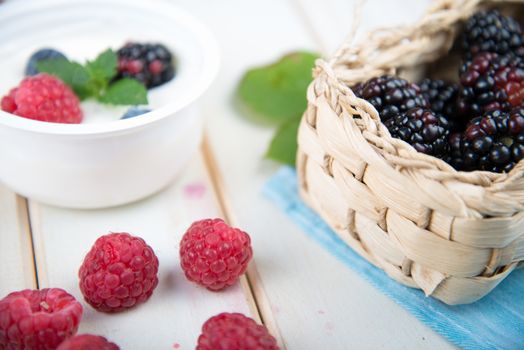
(40, 55)
(135, 111)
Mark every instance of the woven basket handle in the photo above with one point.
(382, 52)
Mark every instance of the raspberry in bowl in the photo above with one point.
(45, 98)
(104, 160)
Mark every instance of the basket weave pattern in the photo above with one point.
(455, 235)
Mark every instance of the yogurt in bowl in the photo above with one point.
(104, 161)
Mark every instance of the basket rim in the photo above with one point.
(328, 69)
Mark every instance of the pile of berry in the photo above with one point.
(120, 272)
(475, 124)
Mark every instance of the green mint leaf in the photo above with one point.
(104, 67)
(283, 146)
(125, 92)
(71, 73)
(277, 92)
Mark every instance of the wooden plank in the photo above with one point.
(176, 311)
(16, 253)
(317, 302)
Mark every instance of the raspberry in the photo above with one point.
(87, 342)
(490, 31)
(151, 64)
(425, 130)
(214, 254)
(493, 142)
(38, 319)
(491, 82)
(41, 55)
(119, 272)
(43, 97)
(390, 95)
(227, 331)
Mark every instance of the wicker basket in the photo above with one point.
(455, 235)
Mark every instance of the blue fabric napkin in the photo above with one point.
(494, 322)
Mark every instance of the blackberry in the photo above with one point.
(442, 98)
(41, 55)
(390, 95)
(422, 128)
(490, 31)
(454, 158)
(151, 64)
(493, 142)
(491, 82)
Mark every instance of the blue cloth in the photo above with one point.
(494, 322)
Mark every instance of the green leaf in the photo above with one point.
(104, 67)
(125, 92)
(283, 146)
(93, 79)
(71, 73)
(277, 92)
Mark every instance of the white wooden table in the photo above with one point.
(307, 298)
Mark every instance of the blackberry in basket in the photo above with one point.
(390, 95)
(442, 98)
(151, 64)
(491, 82)
(490, 31)
(493, 142)
(422, 128)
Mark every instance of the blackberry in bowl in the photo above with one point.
(151, 64)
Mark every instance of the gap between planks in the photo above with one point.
(27, 244)
(38, 244)
(250, 282)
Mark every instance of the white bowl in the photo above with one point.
(101, 164)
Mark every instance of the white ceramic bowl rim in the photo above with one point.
(199, 85)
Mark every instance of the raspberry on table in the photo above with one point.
(227, 331)
(491, 82)
(493, 142)
(390, 95)
(422, 128)
(151, 64)
(490, 31)
(43, 97)
(38, 319)
(119, 272)
(87, 342)
(42, 55)
(213, 254)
